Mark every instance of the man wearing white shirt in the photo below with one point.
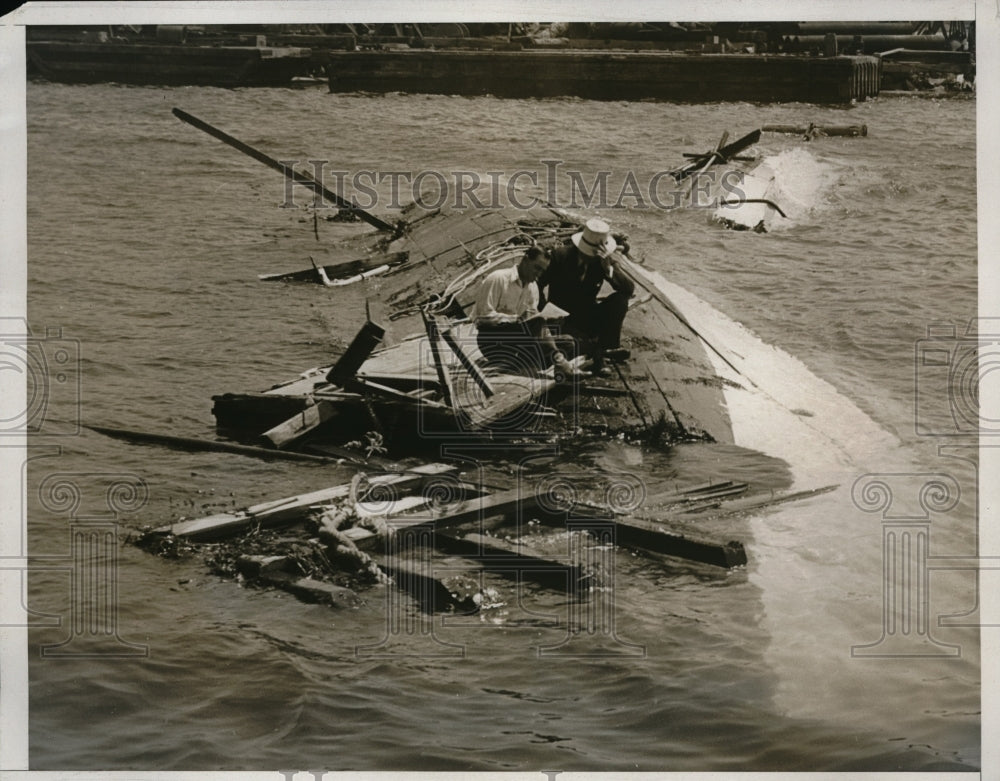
(511, 333)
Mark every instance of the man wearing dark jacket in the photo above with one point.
(573, 280)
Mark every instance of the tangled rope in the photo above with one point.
(486, 260)
(494, 256)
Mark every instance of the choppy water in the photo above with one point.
(145, 239)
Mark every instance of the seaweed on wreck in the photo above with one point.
(167, 546)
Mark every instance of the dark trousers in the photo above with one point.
(599, 326)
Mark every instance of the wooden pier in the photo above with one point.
(608, 75)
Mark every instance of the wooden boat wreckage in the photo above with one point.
(433, 386)
(455, 545)
(431, 389)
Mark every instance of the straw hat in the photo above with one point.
(595, 239)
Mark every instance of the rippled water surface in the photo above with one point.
(145, 241)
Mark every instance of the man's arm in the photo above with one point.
(616, 277)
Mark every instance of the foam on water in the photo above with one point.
(801, 184)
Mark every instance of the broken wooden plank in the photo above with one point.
(470, 367)
(282, 168)
(280, 572)
(432, 594)
(517, 560)
(444, 380)
(300, 424)
(696, 493)
(277, 512)
(363, 383)
(631, 532)
(733, 506)
(321, 592)
(820, 130)
(634, 533)
(335, 271)
(504, 503)
(644, 535)
(647, 536)
(406, 383)
(381, 509)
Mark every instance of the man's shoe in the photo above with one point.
(597, 367)
(617, 355)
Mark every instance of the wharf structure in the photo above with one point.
(823, 62)
(608, 75)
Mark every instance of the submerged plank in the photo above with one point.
(697, 494)
(197, 444)
(637, 533)
(516, 560)
(645, 535)
(747, 504)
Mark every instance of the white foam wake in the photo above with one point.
(800, 185)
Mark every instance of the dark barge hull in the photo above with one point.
(130, 63)
(608, 75)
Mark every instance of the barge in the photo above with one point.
(81, 62)
(607, 75)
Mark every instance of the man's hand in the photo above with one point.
(607, 264)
